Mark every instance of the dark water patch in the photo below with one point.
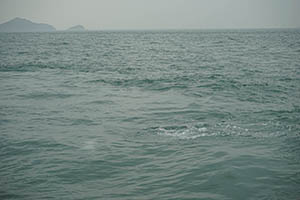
(5, 121)
(32, 67)
(58, 43)
(69, 121)
(100, 102)
(23, 52)
(46, 95)
(149, 84)
(7, 195)
(83, 122)
(19, 68)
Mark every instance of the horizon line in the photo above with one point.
(156, 29)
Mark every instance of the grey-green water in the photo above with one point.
(150, 115)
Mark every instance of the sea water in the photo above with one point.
(150, 115)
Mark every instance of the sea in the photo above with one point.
(155, 114)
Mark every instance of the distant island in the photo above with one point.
(76, 28)
(24, 25)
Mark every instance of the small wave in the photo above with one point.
(58, 43)
(81, 121)
(101, 102)
(89, 145)
(159, 84)
(45, 95)
(31, 67)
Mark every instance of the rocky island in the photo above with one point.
(24, 25)
(76, 28)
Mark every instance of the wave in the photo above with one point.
(46, 95)
(31, 67)
(183, 133)
(224, 130)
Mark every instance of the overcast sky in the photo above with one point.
(156, 14)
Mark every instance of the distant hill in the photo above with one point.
(76, 28)
(24, 25)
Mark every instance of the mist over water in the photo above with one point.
(150, 115)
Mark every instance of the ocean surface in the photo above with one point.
(150, 115)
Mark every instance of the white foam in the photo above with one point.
(186, 133)
(219, 130)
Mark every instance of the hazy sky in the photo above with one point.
(156, 14)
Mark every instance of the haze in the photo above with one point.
(156, 14)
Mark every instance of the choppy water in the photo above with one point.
(150, 115)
